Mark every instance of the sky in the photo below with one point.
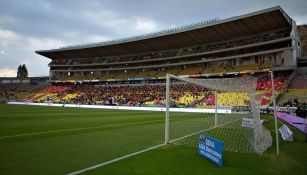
(29, 25)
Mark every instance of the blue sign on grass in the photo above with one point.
(211, 148)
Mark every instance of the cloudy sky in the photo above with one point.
(29, 25)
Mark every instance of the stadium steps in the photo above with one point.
(241, 68)
(300, 95)
(299, 82)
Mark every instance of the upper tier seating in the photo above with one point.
(241, 68)
(200, 68)
(191, 70)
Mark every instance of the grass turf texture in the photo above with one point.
(87, 137)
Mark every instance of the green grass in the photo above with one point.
(96, 136)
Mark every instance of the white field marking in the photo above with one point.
(142, 151)
(115, 160)
(77, 129)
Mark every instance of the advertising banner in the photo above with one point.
(211, 148)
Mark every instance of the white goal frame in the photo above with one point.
(167, 101)
(167, 110)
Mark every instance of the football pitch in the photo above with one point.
(56, 140)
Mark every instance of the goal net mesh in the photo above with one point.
(219, 107)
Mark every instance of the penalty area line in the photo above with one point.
(142, 151)
(115, 160)
(77, 129)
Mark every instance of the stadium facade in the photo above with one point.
(254, 42)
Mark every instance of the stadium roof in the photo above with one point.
(200, 33)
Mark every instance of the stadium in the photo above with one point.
(136, 105)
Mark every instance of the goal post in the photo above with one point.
(225, 108)
(274, 110)
(167, 108)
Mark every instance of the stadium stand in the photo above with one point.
(16, 91)
(132, 71)
(152, 94)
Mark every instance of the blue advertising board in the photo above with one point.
(211, 148)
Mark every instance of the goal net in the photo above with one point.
(224, 108)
